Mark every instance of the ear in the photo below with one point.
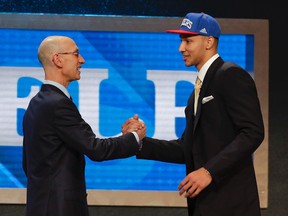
(210, 42)
(57, 60)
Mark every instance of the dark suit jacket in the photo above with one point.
(56, 138)
(221, 137)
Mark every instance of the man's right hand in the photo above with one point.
(134, 124)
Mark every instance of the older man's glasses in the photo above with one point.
(76, 53)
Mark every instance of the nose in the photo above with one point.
(181, 47)
(81, 59)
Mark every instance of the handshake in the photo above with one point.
(134, 125)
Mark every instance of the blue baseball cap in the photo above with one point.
(199, 24)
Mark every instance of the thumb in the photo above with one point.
(136, 117)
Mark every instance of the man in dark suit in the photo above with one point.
(56, 138)
(223, 129)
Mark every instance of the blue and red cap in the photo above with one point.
(199, 24)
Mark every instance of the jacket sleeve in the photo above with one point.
(162, 150)
(78, 135)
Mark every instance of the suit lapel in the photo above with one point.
(208, 77)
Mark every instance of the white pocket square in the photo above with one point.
(207, 99)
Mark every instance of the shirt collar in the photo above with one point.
(59, 86)
(203, 70)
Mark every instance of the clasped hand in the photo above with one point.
(134, 124)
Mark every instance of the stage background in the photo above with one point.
(278, 80)
(121, 77)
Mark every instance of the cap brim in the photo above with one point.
(182, 32)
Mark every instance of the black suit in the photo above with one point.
(222, 137)
(56, 138)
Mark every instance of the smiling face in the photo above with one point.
(71, 60)
(197, 49)
(61, 59)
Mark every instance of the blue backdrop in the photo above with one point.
(137, 65)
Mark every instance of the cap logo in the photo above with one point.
(203, 31)
(186, 22)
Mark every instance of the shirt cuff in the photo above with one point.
(138, 140)
(136, 136)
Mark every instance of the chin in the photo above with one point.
(75, 79)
